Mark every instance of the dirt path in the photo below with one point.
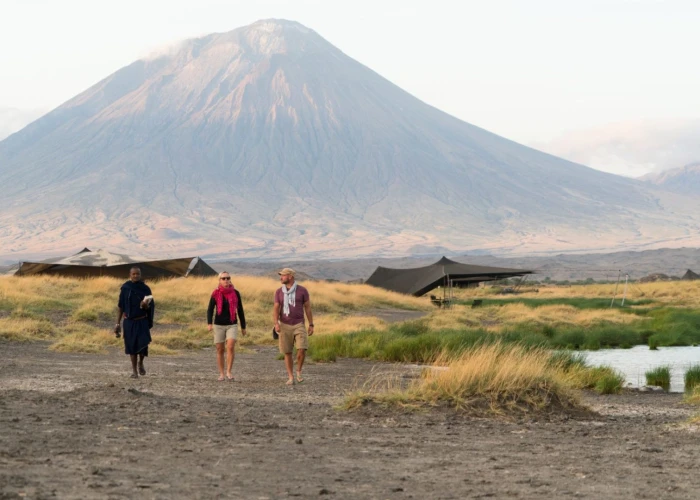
(74, 426)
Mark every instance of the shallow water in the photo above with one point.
(634, 362)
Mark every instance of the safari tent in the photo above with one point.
(88, 263)
(690, 275)
(445, 272)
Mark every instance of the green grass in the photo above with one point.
(410, 342)
(692, 378)
(577, 302)
(415, 341)
(568, 360)
(659, 376)
(661, 327)
(610, 383)
(674, 327)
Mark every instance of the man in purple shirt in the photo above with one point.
(291, 302)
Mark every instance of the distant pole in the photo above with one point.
(616, 285)
(624, 294)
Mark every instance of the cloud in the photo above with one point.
(631, 148)
(168, 49)
(12, 119)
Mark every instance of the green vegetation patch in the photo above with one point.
(610, 383)
(692, 378)
(407, 342)
(659, 376)
(415, 341)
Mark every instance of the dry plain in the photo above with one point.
(73, 425)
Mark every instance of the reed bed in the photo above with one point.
(692, 379)
(659, 376)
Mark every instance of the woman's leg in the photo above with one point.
(220, 359)
(230, 354)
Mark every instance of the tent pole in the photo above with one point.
(449, 297)
(624, 294)
(615, 292)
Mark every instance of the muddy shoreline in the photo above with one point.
(75, 426)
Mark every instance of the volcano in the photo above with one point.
(268, 141)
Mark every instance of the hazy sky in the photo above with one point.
(528, 70)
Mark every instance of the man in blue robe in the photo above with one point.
(136, 308)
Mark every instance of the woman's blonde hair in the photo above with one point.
(221, 274)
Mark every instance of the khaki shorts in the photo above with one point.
(291, 335)
(223, 333)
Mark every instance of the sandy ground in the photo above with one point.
(75, 426)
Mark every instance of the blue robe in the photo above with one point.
(137, 321)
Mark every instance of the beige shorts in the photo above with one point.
(223, 333)
(291, 335)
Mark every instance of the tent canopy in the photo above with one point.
(420, 280)
(87, 263)
(690, 275)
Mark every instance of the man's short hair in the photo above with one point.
(135, 267)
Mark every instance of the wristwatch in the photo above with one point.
(311, 324)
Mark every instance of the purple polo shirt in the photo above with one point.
(296, 312)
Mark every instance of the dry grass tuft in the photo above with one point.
(26, 329)
(492, 379)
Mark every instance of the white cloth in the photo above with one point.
(289, 298)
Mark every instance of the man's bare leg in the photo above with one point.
(135, 373)
(142, 369)
(220, 359)
(289, 364)
(230, 354)
(301, 356)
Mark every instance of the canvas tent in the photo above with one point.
(420, 280)
(690, 275)
(88, 263)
